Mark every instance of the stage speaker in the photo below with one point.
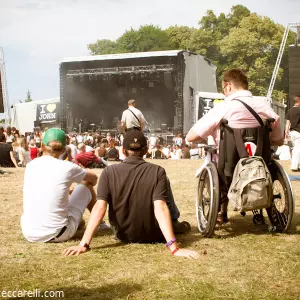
(294, 73)
(1, 96)
(168, 80)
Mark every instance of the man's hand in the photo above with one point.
(187, 253)
(74, 250)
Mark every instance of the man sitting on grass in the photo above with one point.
(141, 205)
(7, 158)
(50, 215)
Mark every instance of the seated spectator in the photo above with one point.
(9, 135)
(23, 152)
(67, 154)
(50, 215)
(88, 147)
(33, 149)
(186, 152)
(177, 153)
(112, 153)
(122, 187)
(73, 148)
(101, 150)
(166, 151)
(7, 158)
(194, 151)
(88, 159)
(157, 153)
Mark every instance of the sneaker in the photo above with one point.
(181, 227)
(104, 226)
(222, 218)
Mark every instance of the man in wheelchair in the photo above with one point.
(236, 112)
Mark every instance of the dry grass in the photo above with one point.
(242, 261)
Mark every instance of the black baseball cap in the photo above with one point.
(135, 137)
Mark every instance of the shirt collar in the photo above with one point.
(133, 160)
(238, 94)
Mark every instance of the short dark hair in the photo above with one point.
(2, 138)
(237, 77)
(295, 98)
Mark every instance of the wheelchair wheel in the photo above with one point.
(282, 209)
(207, 201)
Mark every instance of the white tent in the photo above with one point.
(24, 114)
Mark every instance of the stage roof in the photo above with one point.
(122, 56)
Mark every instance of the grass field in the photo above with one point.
(242, 261)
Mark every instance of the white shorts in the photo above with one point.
(78, 201)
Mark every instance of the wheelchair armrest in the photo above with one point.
(210, 149)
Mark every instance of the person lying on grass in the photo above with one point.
(141, 204)
(50, 214)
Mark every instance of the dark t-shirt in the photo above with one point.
(293, 116)
(5, 160)
(130, 188)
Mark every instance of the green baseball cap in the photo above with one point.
(54, 134)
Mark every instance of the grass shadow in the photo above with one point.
(106, 292)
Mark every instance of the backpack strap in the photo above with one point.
(135, 115)
(252, 111)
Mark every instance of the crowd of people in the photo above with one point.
(138, 193)
(90, 149)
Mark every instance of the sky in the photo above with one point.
(36, 34)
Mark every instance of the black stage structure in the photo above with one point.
(94, 90)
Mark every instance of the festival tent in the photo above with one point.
(26, 116)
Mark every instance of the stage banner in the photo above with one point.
(205, 105)
(47, 113)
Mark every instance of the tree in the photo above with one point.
(253, 46)
(28, 98)
(239, 39)
(180, 36)
(146, 38)
(103, 47)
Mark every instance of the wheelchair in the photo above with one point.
(213, 175)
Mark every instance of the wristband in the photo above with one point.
(174, 251)
(168, 244)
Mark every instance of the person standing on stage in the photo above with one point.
(132, 118)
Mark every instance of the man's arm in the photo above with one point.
(163, 217)
(142, 122)
(13, 159)
(123, 122)
(90, 178)
(287, 128)
(192, 136)
(97, 214)
(69, 153)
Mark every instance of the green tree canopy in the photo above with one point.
(103, 47)
(146, 38)
(239, 39)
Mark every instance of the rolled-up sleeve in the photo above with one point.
(209, 122)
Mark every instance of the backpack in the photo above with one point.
(251, 187)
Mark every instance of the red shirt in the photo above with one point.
(85, 158)
(33, 152)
